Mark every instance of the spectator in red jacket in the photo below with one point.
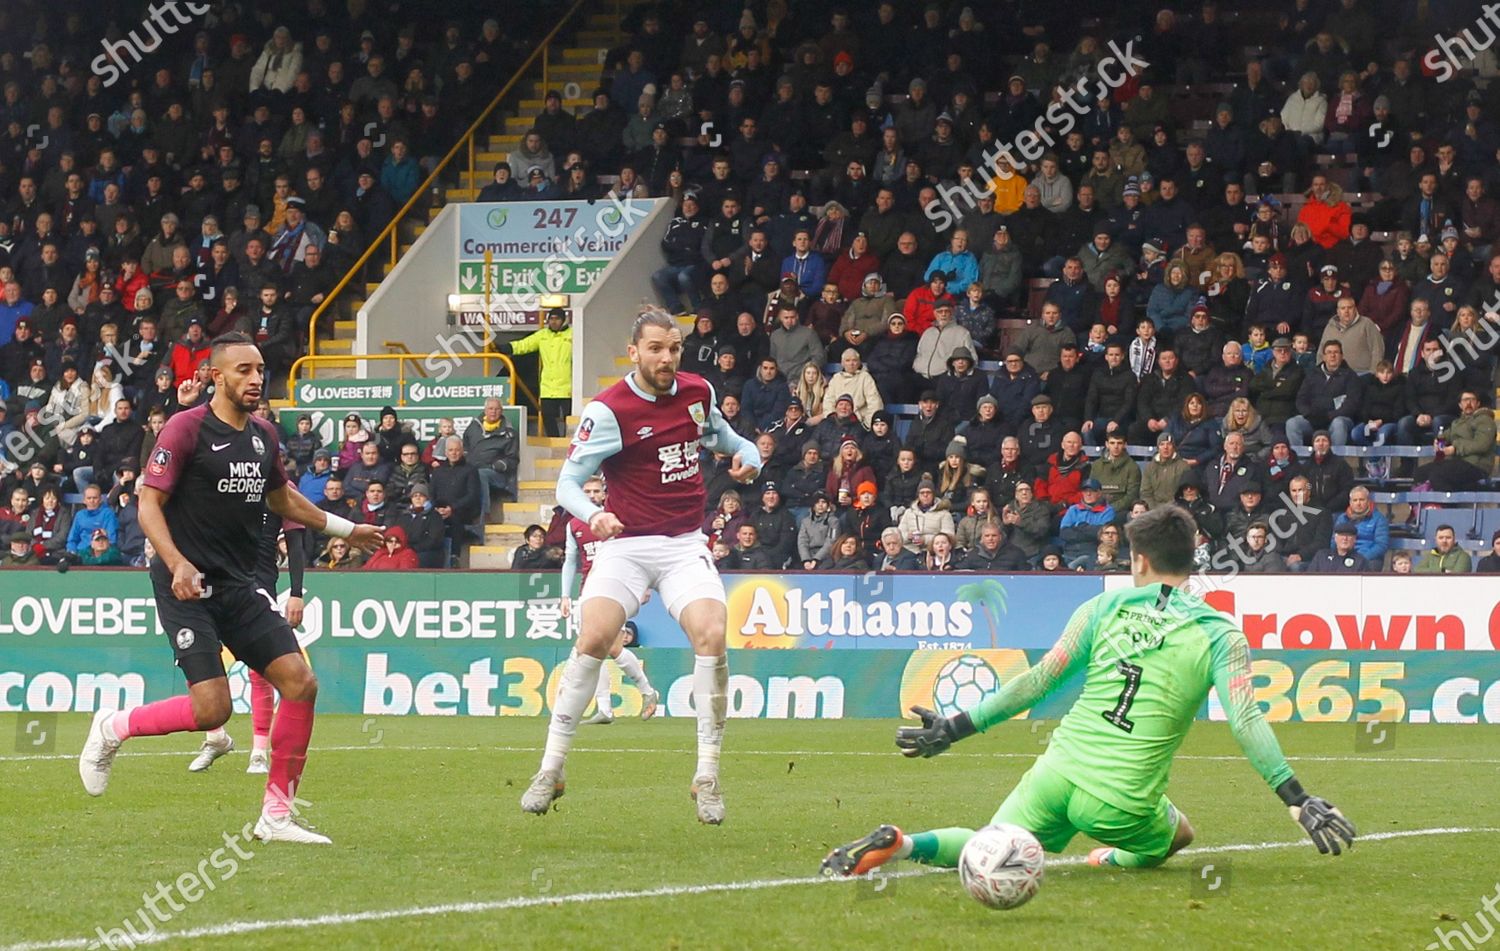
(1061, 483)
(189, 353)
(394, 556)
(920, 302)
(1326, 213)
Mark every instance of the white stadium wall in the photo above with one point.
(411, 305)
(601, 326)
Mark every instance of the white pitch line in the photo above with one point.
(232, 928)
(383, 747)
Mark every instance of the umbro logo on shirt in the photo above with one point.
(644, 431)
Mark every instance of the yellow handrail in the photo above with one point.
(402, 359)
(392, 229)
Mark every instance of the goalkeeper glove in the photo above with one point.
(935, 735)
(1321, 819)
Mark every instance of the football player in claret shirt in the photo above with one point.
(576, 564)
(214, 471)
(1148, 654)
(644, 434)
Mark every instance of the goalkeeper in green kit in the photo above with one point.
(1150, 653)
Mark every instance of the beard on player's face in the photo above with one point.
(242, 392)
(659, 368)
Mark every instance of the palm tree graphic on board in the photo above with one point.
(989, 597)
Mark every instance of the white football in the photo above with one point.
(962, 683)
(239, 687)
(1001, 866)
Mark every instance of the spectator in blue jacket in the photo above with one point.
(94, 514)
(315, 479)
(1372, 531)
(958, 262)
(400, 174)
(765, 397)
(806, 265)
(1171, 302)
(1081, 524)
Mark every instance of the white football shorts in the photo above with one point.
(679, 568)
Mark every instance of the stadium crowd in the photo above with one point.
(227, 181)
(851, 244)
(863, 268)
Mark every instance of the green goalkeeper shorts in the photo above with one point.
(1054, 810)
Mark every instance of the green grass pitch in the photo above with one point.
(424, 815)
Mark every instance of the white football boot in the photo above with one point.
(649, 703)
(287, 829)
(98, 755)
(545, 789)
(260, 762)
(705, 792)
(216, 744)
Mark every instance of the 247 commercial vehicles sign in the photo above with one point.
(558, 247)
(494, 644)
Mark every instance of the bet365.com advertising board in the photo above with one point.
(493, 644)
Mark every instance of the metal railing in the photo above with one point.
(392, 230)
(402, 359)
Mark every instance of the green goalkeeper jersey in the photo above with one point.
(1149, 656)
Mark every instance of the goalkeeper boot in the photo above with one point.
(260, 762)
(1102, 857)
(546, 788)
(862, 855)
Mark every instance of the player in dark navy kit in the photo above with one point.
(644, 433)
(214, 471)
(274, 531)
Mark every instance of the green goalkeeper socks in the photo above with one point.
(1123, 859)
(940, 847)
